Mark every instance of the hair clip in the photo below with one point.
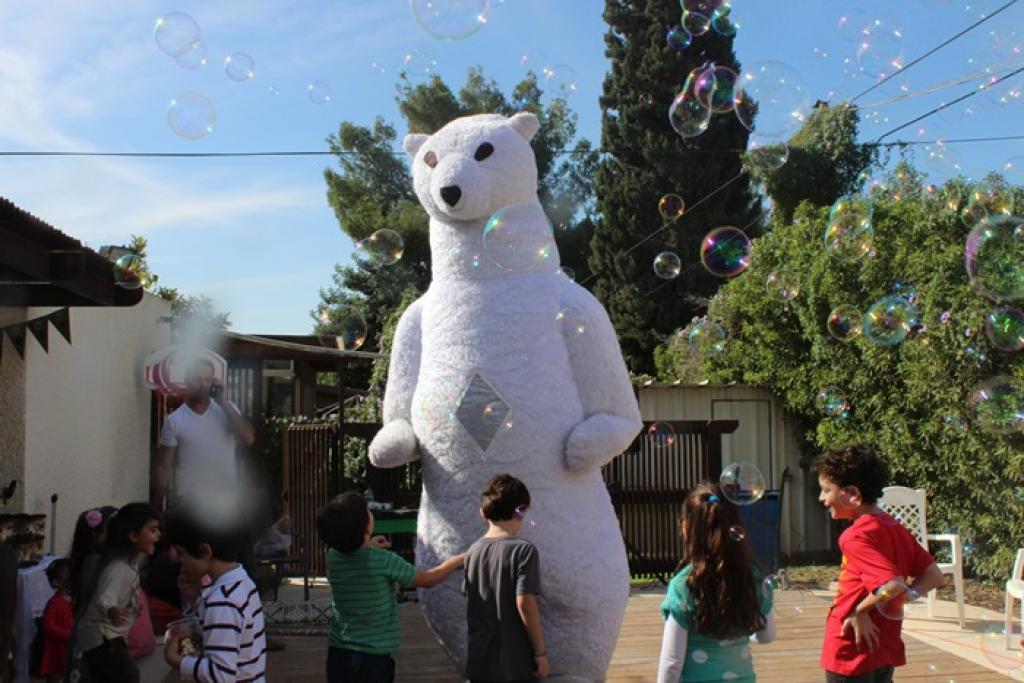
(712, 498)
(93, 518)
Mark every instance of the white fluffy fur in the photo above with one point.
(572, 404)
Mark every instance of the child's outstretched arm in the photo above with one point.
(529, 612)
(931, 579)
(673, 652)
(428, 578)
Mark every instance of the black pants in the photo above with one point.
(111, 663)
(883, 675)
(350, 666)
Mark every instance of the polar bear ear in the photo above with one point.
(525, 123)
(413, 142)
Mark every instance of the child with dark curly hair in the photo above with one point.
(879, 557)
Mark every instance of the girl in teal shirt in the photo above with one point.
(719, 603)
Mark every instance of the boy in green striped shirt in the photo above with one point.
(364, 576)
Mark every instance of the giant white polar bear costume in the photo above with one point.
(485, 340)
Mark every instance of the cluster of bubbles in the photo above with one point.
(699, 17)
(742, 483)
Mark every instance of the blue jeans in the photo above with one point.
(350, 666)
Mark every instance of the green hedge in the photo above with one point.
(905, 400)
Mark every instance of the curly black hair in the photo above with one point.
(855, 466)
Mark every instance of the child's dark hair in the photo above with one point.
(128, 520)
(502, 496)
(188, 530)
(855, 466)
(342, 522)
(721, 581)
(61, 565)
(87, 539)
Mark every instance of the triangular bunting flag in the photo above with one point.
(16, 333)
(41, 331)
(62, 321)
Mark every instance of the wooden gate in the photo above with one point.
(649, 482)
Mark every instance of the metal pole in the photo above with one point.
(53, 524)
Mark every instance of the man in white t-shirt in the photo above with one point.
(197, 443)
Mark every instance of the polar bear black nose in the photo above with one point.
(451, 195)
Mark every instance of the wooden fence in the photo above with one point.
(648, 484)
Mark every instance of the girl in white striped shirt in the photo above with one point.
(234, 647)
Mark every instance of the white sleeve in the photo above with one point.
(768, 633)
(169, 432)
(673, 652)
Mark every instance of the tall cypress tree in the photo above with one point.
(646, 159)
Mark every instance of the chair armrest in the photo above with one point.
(944, 538)
(955, 545)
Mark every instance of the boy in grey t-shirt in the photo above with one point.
(502, 582)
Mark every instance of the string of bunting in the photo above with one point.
(17, 333)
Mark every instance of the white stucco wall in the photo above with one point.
(87, 413)
(765, 437)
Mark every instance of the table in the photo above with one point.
(34, 592)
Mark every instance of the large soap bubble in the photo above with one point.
(771, 98)
(845, 323)
(994, 257)
(176, 33)
(725, 251)
(519, 238)
(191, 115)
(688, 116)
(451, 19)
(742, 483)
(889, 320)
(997, 405)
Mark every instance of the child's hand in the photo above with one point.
(380, 542)
(172, 650)
(542, 666)
(118, 616)
(864, 630)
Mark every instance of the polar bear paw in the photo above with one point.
(394, 445)
(599, 438)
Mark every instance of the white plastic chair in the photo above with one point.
(908, 507)
(1014, 590)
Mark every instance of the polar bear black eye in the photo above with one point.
(430, 159)
(483, 151)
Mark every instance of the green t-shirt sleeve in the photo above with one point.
(678, 602)
(398, 570)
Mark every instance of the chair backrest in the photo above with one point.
(908, 507)
(1018, 566)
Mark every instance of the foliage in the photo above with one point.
(189, 311)
(906, 401)
(138, 245)
(647, 159)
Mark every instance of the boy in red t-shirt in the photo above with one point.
(861, 644)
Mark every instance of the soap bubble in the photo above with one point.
(706, 337)
(667, 265)
(975, 354)
(851, 25)
(955, 423)
(645, 99)
(239, 67)
(687, 115)
(526, 516)
(671, 206)
(853, 205)
(678, 38)
(451, 19)
(783, 284)
(737, 533)
(880, 51)
(436, 405)
(351, 328)
(193, 57)
(993, 646)
(894, 603)
(569, 273)
(383, 248)
(176, 33)
(715, 87)
(771, 98)
(725, 251)
(562, 81)
(519, 238)
(849, 235)
(572, 321)
(128, 271)
(889, 320)
(420, 64)
(191, 115)
(661, 435)
(997, 405)
(722, 21)
(318, 92)
(1004, 327)
(994, 257)
(832, 402)
(765, 155)
(696, 23)
(986, 200)
(742, 483)
(845, 323)
(1005, 42)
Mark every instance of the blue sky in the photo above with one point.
(256, 234)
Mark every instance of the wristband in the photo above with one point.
(542, 654)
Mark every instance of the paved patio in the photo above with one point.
(936, 649)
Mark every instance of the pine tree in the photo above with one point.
(646, 159)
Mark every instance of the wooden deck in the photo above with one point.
(793, 658)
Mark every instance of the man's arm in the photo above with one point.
(161, 475)
(240, 427)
